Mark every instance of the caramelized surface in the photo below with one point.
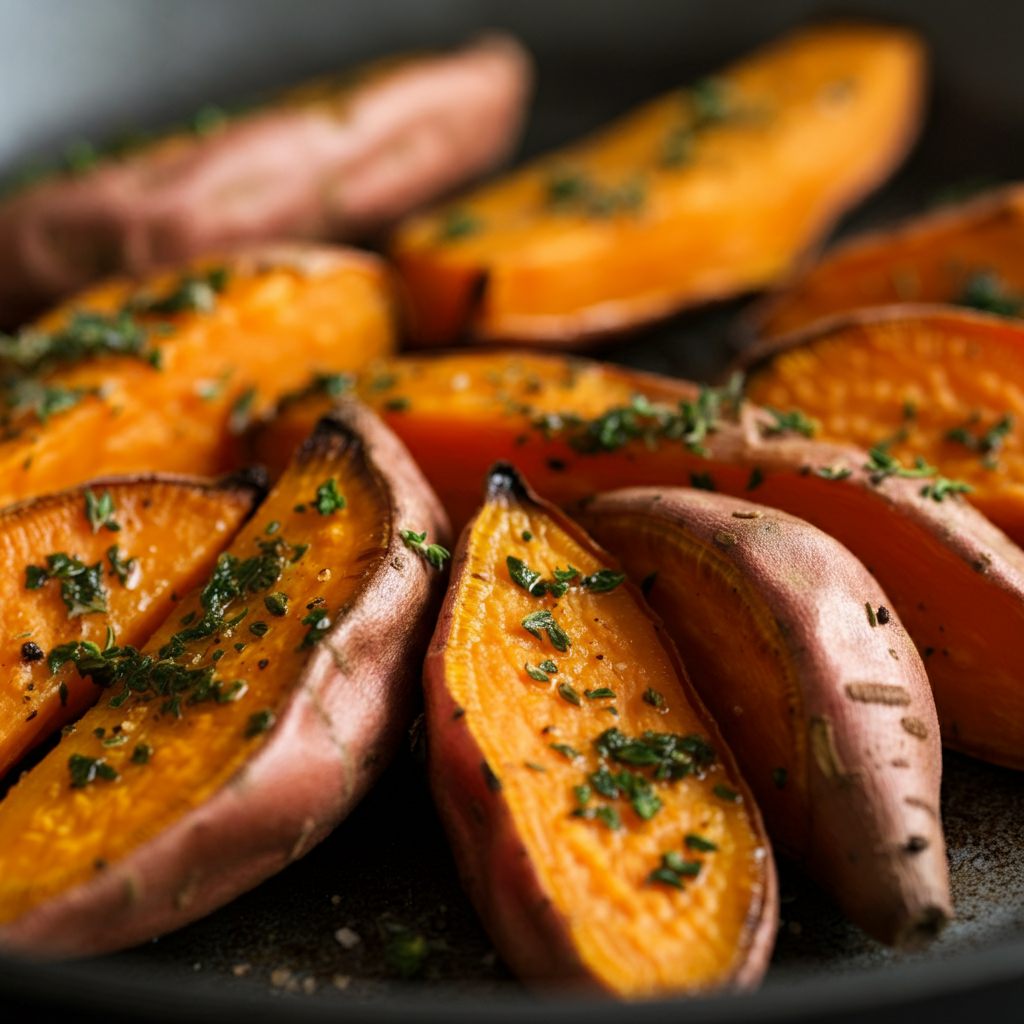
(637, 937)
(941, 257)
(909, 381)
(458, 413)
(171, 531)
(53, 835)
(271, 327)
(698, 194)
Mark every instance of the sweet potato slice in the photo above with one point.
(816, 686)
(111, 556)
(131, 378)
(333, 158)
(697, 195)
(941, 384)
(578, 427)
(598, 820)
(254, 719)
(969, 254)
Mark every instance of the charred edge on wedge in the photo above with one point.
(255, 479)
(331, 438)
(504, 485)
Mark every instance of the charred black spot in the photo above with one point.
(556, 465)
(504, 483)
(492, 780)
(31, 652)
(915, 844)
(457, 714)
(882, 614)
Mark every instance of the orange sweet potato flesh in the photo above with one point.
(695, 196)
(281, 314)
(187, 792)
(943, 384)
(827, 707)
(333, 158)
(169, 534)
(965, 254)
(567, 898)
(955, 580)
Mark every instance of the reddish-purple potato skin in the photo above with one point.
(346, 716)
(872, 834)
(337, 170)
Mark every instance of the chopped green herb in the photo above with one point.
(699, 843)
(536, 673)
(583, 794)
(240, 647)
(779, 777)
(44, 400)
(194, 293)
(273, 526)
(833, 473)
(986, 291)
(319, 623)
(882, 465)
(259, 628)
(655, 699)
(81, 585)
(610, 817)
(666, 876)
(988, 444)
(121, 568)
(792, 422)
(241, 412)
(543, 620)
(725, 793)
(548, 666)
(569, 192)
(569, 694)
(142, 753)
(276, 604)
(458, 224)
(328, 498)
(535, 767)
(601, 693)
(399, 404)
(872, 620)
(85, 769)
(523, 576)
(941, 487)
(603, 580)
(435, 554)
(527, 536)
(217, 655)
(670, 755)
(675, 862)
(259, 722)
(100, 511)
(565, 750)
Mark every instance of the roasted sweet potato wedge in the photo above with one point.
(936, 383)
(598, 819)
(135, 378)
(578, 427)
(815, 684)
(698, 195)
(968, 254)
(333, 158)
(254, 719)
(101, 564)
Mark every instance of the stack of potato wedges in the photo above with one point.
(678, 627)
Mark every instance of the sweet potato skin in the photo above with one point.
(196, 519)
(520, 914)
(459, 412)
(334, 736)
(531, 259)
(331, 159)
(914, 378)
(925, 259)
(286, 311)
(868, 788)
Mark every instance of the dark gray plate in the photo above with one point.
(90, 67)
